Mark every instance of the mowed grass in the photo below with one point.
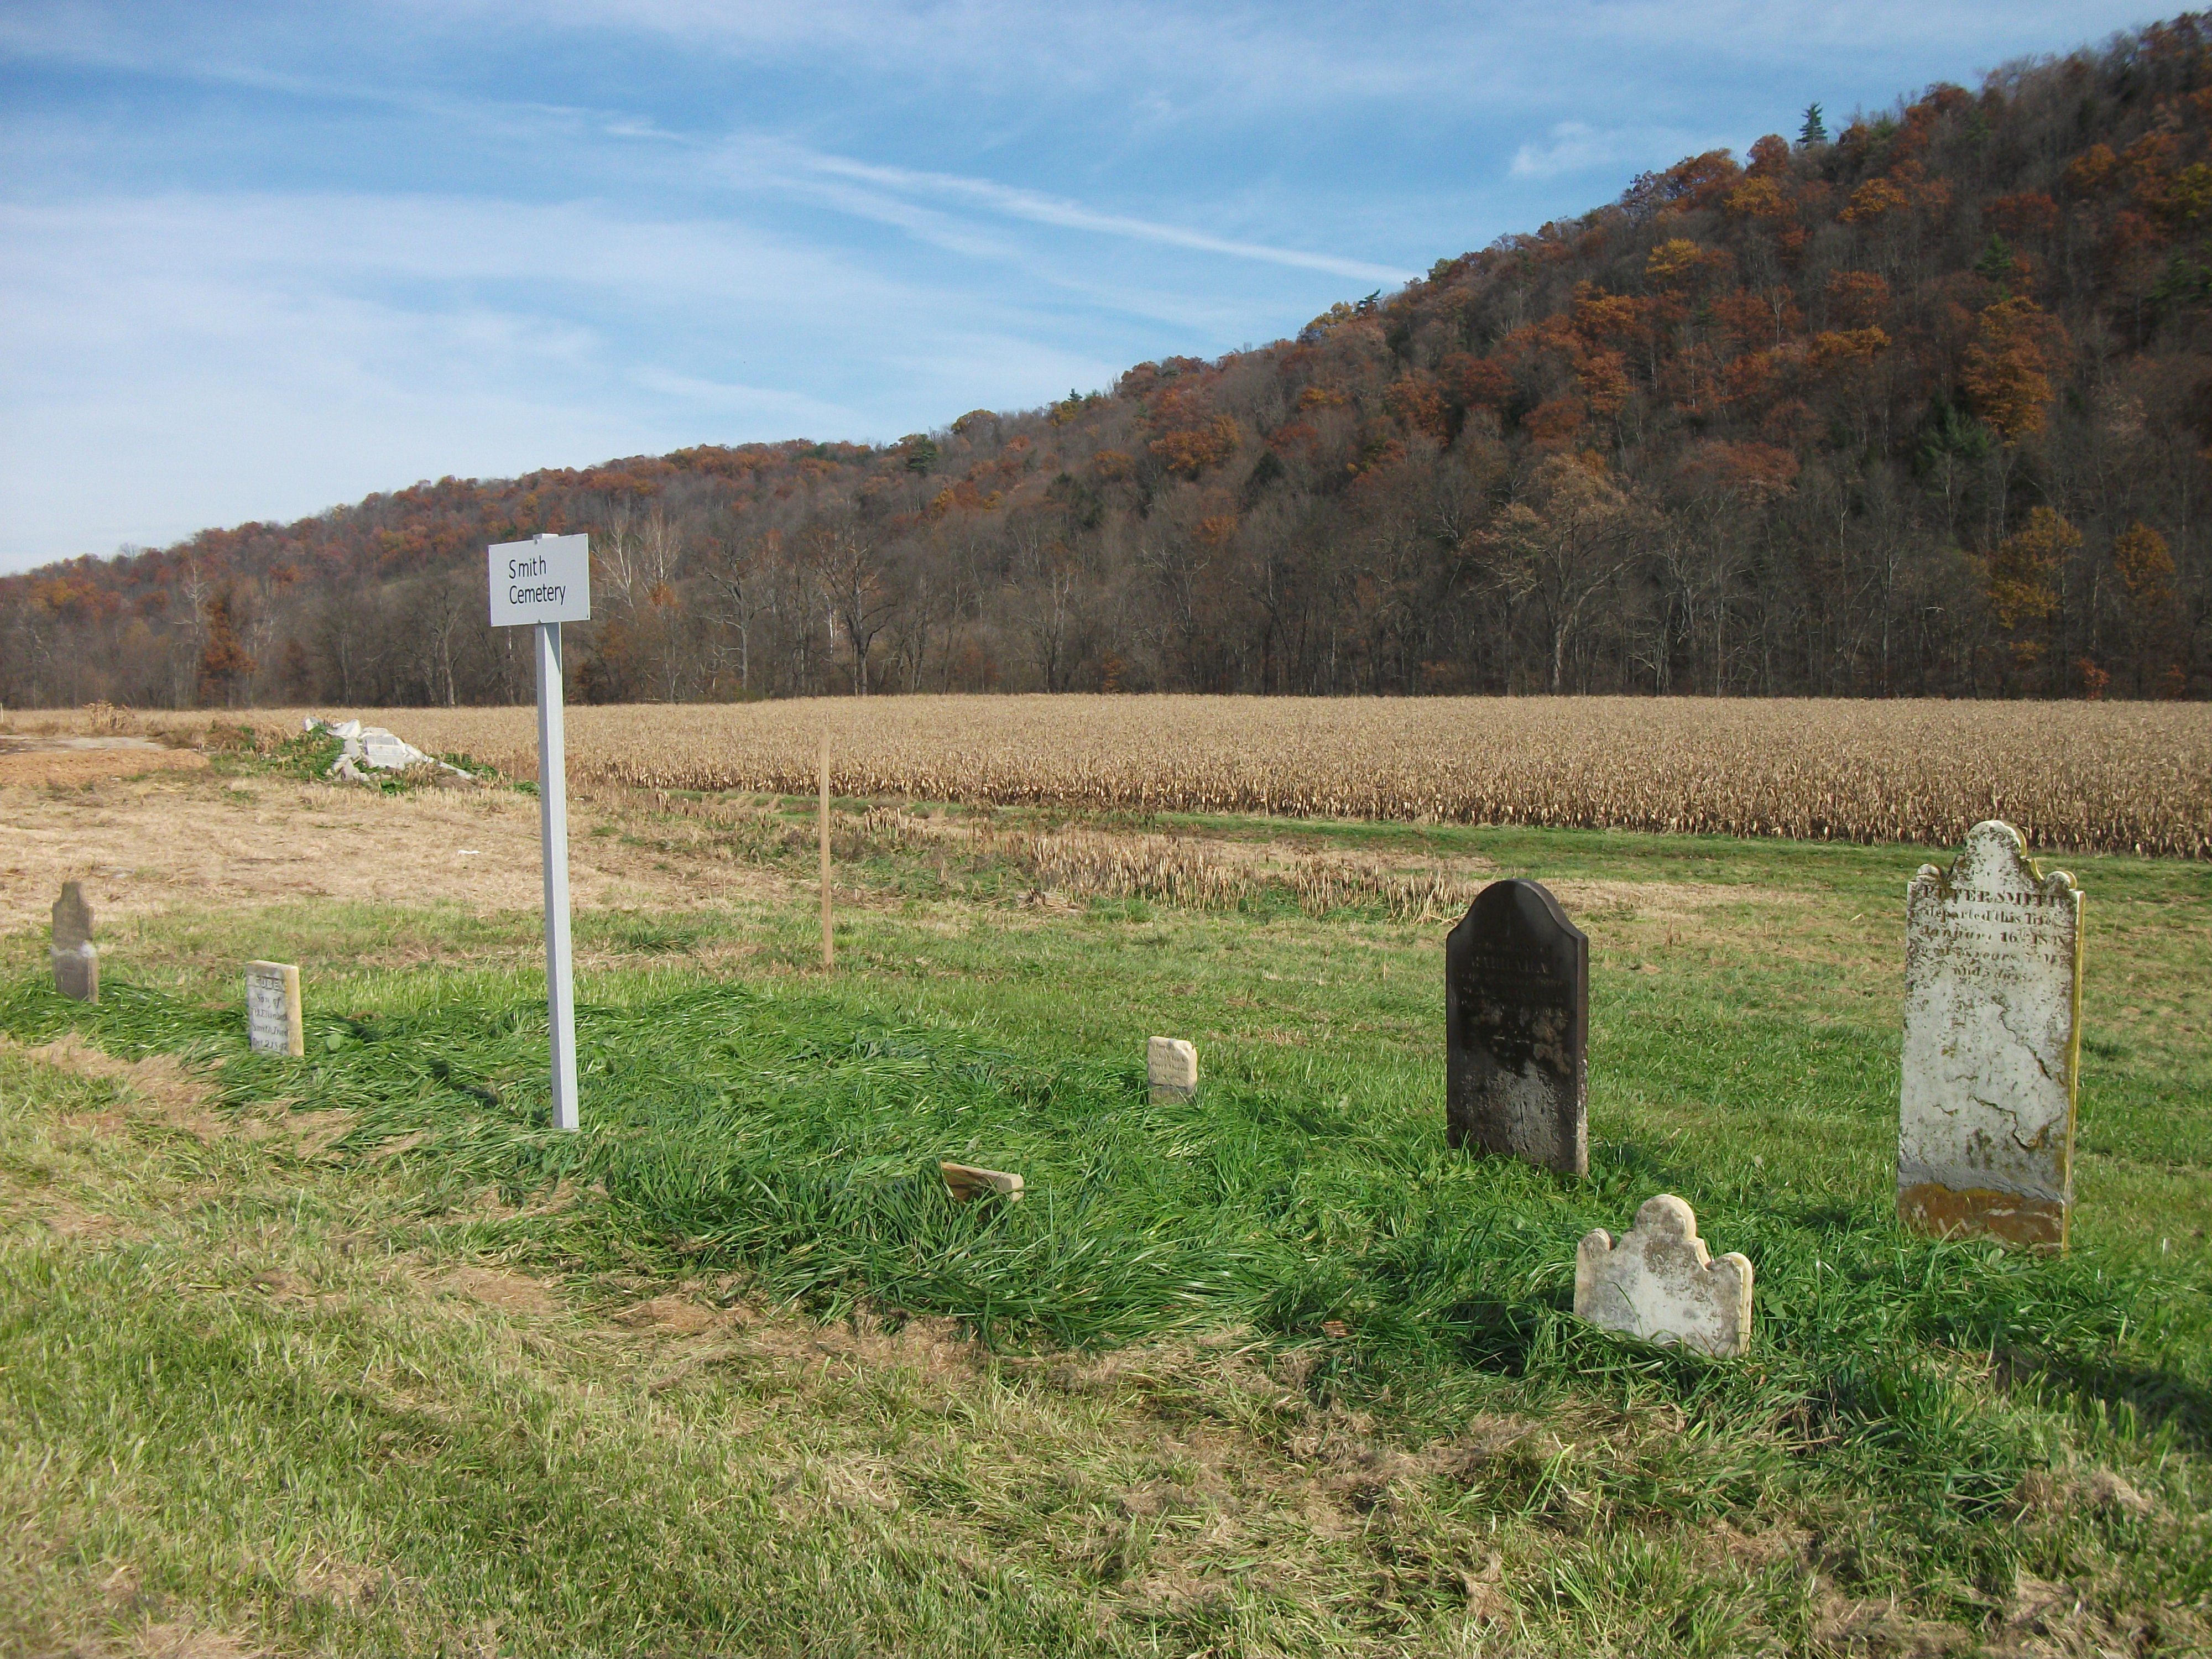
(1272, 1372)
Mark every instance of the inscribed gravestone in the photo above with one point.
(75, 957)
(1992, 1045)
(1660, 1284)
(272, 1009)
(1172, 1068)
(1516, 1028)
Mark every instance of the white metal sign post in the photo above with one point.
(544, 582)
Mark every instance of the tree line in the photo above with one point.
(1921, 408)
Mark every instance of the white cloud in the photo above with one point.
(1039, 208)
(1576, 147)
(194, 360)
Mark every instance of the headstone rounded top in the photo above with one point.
(72, 916)
(1666, 1216)
(1994, 860)
(1522, 901)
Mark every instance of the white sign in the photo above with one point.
(547, 579)
(544, 582)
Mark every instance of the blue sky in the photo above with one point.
(258, 259)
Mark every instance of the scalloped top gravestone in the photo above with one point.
(1992, 1045)
(1516, 1028)
(75, 957)
(1659, 1283)
(272, 1009)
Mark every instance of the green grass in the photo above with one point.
(1936, 1423)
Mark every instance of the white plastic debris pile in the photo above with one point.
(374, 749)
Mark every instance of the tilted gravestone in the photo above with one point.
(966, 1182)
(1659, 1283)
(272, 1009)
(1170, 1069)
(1992, 1045)
(1516, 1028)
(75, 957)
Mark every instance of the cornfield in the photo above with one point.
(2092, 776)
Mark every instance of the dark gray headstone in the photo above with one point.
(76, 958)
(1516, 1028)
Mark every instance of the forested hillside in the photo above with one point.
(1918, 407)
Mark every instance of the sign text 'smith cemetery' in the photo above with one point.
(272, 1009)
(542, 583)
(75, 957)
(1516, 1028)
(1992, 1045)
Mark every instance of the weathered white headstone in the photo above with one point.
(272, 1009)
(1992, 1045)
(75, 957)
(1660, 1284)
(1172, 1068)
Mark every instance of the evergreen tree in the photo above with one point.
(1815, 132)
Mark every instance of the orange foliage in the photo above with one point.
(1742, 472)
(1418, 401)
(1844, 346)
(2087, 172)
(1873, 199)
(2007, 372)
(1475, 380)
(1857, 297)
(1674, 260)
(1604, 377)
(2144, 563)
(2031, 213)
(1759, 198)
(1556, 423)
(1190, 452)
(2020, 571)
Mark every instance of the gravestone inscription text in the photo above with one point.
(272, 1009)
(1516, 1028)
(1992, 1045)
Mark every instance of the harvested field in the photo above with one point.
(2111, 777)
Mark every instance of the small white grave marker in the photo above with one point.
(1992, 1045)
(1172, 1068)
(75, 957)
(1660, 1284)
(272, 1009)
(542, 583)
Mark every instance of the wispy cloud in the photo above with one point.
(1576, 147)
(260, 256)
(1039, 209)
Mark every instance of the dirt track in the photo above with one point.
(147, 844)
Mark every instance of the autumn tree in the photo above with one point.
(2008, 368)
(1561, 546)
(223, 660)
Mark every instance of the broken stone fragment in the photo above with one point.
(967, 1182)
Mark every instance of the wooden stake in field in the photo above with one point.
(828, 944)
